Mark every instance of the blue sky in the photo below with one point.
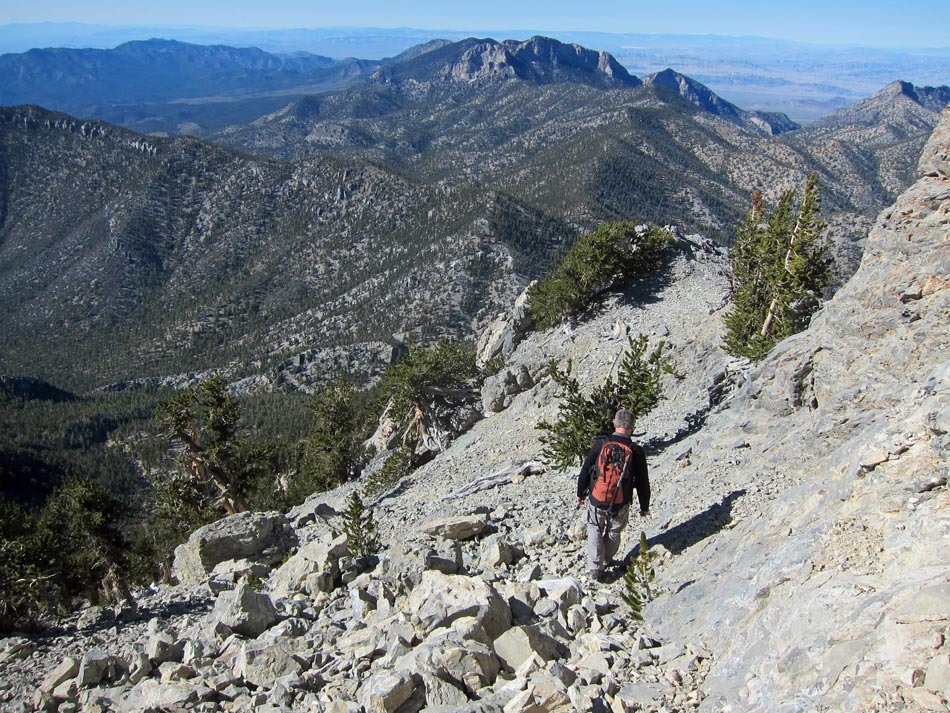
(879, 23)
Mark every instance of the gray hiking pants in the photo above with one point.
(600, 549)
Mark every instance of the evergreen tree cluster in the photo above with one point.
(780, 266)
(333, 452)
(614, 253)
(79, 545)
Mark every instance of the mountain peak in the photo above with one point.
(694, 92)
(541, 60)
(932, 98)
(699, 94)
(897, 111)
(560, 56)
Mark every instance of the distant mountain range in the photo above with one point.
(419, 200)
(168, 86)
(802, 80)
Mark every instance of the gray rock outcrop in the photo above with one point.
(820, 576)
(247, 536)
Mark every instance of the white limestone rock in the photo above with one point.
(439, 599)
(243, 611)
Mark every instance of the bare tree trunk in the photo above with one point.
(210, 475)
(769, 318)
(789, 254)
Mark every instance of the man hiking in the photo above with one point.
(611, 471)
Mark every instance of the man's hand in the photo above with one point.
(580, 501)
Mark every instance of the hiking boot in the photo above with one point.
(598, 577)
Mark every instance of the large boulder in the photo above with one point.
(261, 663)
(95, 666)
(162, 644)
(387, 691)
(406, 561)
(439, 599)
(564, 592)
(263, 537)
(314, 568)
(154, 695)
(243, 611)
(68, 669)
(461, 654)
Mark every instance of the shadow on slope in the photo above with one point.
(697, 528)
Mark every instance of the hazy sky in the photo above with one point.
(868, 22)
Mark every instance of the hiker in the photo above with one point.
(611, 471)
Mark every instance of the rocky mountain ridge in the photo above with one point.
(703, 97)
(798, 510)
(890, 115)
(208, 241)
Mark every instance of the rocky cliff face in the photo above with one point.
(537, 60)
(800, 512)
(826, 589)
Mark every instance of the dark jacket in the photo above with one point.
(637, 469)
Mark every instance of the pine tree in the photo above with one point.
(779, 269)
(362, 536)
(334, 451)
(582, 417)
(638, 578)
(415, 388)
(204, 420)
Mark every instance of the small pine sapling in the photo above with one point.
(362, 535)
(638, 578)
(582, 417)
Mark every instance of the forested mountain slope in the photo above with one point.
(123, 255)
(418, 202)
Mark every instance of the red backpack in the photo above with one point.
(610, 468)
